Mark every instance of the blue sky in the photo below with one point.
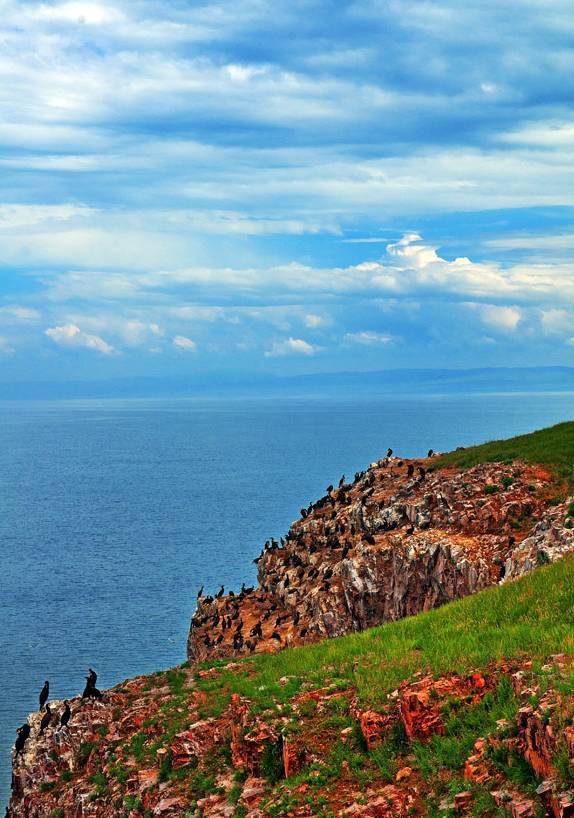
(289, 187)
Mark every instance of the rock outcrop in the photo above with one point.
(388, 545)
(145, 750)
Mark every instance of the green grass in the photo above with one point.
(532, 615)
(553, 446)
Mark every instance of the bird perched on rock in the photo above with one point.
(430, 453)
(276, 636)
(23, 733)
(389, 452)
(342, 480)
(44, 693)
(410, 470)
(200, 592)
(92, 676)
(46, 719)
(66, 715)
(422, 472)
(219, 594)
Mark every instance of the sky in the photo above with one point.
(284, 186)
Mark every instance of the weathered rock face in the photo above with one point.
(387, 546)
(124, 756)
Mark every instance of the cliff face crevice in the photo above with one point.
(398, 540)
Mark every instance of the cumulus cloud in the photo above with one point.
(291, 346)
(70, 335)
(184, 343)
(556, 321)
(504, 318)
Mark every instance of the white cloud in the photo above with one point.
(186, 344)
(368, 338)
(556, 321)
(17, 313)
(313, 321)
(291, 346)
(70, 335)
(504, 318)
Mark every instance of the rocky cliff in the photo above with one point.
(399, 539)
(371, 728)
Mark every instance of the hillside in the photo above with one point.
(466, 709)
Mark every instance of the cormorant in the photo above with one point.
(66, 715)
(44, 693)
(92, 676)
(389, 452)
(46, 719)
(422, 472)
(342, 480)
(410, 470)
(430, 453)
(276, 636)
(219, 594)
(200, 592)
(23, 733)
(329, 488)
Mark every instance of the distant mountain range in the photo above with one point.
(332, 384)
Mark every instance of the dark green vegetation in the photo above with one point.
(553, 446)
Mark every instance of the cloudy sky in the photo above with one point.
(284, 185)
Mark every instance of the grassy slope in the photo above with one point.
(532, 615)
(553, 446)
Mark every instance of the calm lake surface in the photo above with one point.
(113, 513)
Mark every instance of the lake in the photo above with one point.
(113, 513)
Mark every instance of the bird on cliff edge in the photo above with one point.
(389, 452)
(23, 733)
(46, 719)
(66, 715)
(44, 693)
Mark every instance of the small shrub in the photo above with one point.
(491, 488)
(47, 786)
(507, 482)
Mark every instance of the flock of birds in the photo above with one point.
(274, 604)
(23, 732)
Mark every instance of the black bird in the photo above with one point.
(410, 470)
(370, 539)
(303, 513)
(422, 472)
(219, 639)
(342, 480)
(276, 636)
(296, 618)
(219, 594)
(200, 592)
(23, 733)
(46, 719)
(303, 632)
(66, 715)
(328, 573)
(430, 453)
(389, 452)
(329, 488)
(92, 676)
(44, 693)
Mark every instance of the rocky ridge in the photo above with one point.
(318, 754)
(400, 539)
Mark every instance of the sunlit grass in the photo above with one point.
(533, 615)
(553, 446)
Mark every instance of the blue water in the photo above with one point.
(113, 513)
